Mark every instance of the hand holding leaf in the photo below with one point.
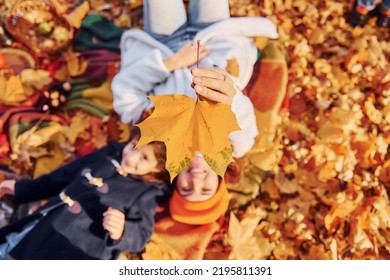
(188, 125)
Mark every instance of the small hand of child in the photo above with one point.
(185, 57)
(214, 85)
(7, 187)
(114, 223)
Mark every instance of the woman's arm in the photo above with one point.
(134, 81)
(215, 85)
(186, 56)
(139, 76)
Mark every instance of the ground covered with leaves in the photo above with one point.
(328, 195)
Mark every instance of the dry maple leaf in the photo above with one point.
(186, 126)
(11, 91)
(244, 237)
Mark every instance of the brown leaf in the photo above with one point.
(271, 188)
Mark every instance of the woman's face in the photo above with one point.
(139, 161)
(198, 182)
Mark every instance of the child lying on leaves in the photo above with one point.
(100, 204)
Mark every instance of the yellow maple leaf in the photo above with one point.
(186, 126)
(247, 242)
(11, 91)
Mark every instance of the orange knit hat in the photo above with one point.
(199, 212)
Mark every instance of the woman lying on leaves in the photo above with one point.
(161, 59)
(200, 196)
(100, 204)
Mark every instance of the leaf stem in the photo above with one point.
(197, 54)
(197, 64)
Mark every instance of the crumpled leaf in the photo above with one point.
(62, 73)
(41, 144)
(186, 126)
(35, 78)
(339, 211)
(79, 124)
(56, 156)
(37, 137)
(11, 91)
(73, 12)
(76, 17)
(76, 64)
(98, 135)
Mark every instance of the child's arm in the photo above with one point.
(7, 187)
(52, 184)
(114, 223)
(139, 224)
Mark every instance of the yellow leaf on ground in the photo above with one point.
(11, 91)
(247, 243)
(187, 126)
(79, 124)
(76, 17)
(339, 211)
(35, 78)
(40, 136)
(55, 159)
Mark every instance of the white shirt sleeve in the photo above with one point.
(134, 82)
(243, 140)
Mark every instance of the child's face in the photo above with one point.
(198, 182)
(139, 161)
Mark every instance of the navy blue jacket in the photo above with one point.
(63, 234)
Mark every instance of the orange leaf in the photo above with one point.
(76, 64)
(78, 14)
(186, 126)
